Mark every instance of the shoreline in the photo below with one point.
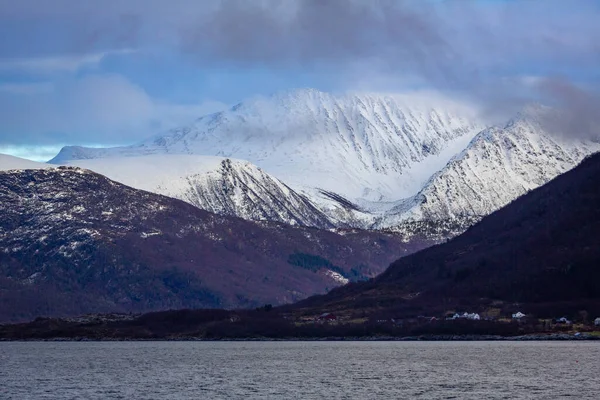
(423, 338)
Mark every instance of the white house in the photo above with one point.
(466, 315)
(518, 315)
(597, 321)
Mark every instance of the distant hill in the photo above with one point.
(539, 254)
(75, 242)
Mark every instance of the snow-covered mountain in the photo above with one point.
(499, 165)
(375, 147)
(220, 185)
(418, 164)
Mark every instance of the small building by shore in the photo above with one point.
(466, 315)
(518, 315)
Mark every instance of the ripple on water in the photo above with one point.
(299, 370)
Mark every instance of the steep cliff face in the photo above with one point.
(73, 241)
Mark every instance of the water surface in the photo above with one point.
(299, 370)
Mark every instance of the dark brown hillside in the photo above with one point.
(541, 254)
(74, 242)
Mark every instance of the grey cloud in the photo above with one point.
(446, 40)
(264, 32)
(478, 50)
(474, 50)
(313, 32)
(579, 108)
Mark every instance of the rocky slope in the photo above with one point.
(539, 254)
(73, 241)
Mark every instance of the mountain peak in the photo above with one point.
(372, 142)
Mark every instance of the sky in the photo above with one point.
(113, 72)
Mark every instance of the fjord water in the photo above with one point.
(299, 370)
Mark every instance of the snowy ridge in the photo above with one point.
(219, 185)
(498, 166)
(377, 147)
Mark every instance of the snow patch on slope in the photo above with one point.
(337, 277)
